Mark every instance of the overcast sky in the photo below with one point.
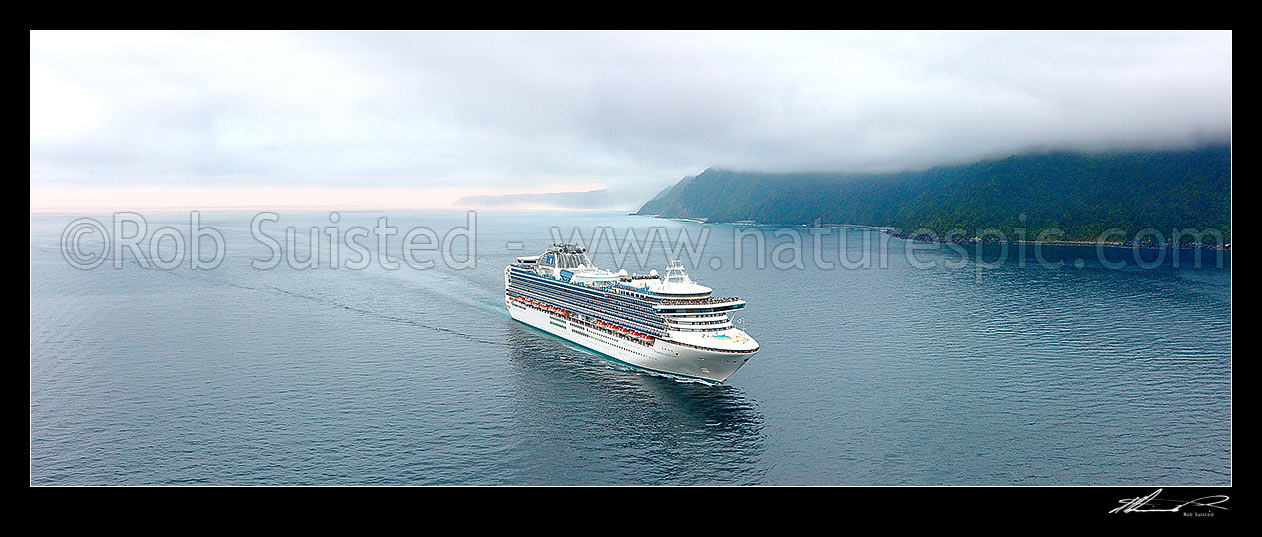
(450, 113)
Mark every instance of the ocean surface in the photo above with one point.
(943, 368)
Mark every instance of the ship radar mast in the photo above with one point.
(675, 273)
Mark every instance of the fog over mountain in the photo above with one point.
(530, 112)
(1093, 197)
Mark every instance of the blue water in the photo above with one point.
(980, 374)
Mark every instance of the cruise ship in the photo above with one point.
(664, 323)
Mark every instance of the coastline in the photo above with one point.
(927, 238)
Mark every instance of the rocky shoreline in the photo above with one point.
(931, 238)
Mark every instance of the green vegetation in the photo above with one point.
(1082, 195)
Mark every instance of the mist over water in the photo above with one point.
(1015, 374)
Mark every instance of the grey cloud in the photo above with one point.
(495, 109)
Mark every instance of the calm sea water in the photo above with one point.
(1007, 374)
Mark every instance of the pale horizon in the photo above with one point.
(130, 198)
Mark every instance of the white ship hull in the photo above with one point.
(662, 356)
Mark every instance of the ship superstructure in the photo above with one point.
(659, 322)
